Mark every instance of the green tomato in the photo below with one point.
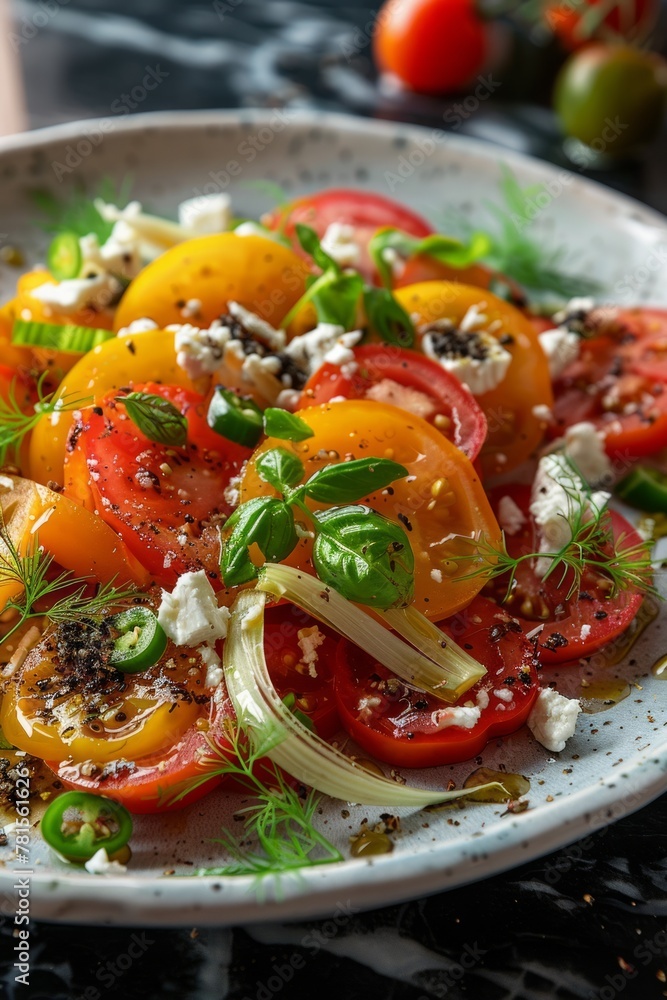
(611, 97)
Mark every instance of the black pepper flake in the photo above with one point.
(555, 641)
(404, 521)
(600, 615)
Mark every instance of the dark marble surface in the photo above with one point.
(588, 922)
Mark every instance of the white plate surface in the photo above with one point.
(617, 761)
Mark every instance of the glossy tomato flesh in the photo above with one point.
(163, 501)
(364, 211)
(408, 728)
(404, 378)
(572, 627)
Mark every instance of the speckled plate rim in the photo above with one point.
(354, 885)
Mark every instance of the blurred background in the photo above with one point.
(539, 76)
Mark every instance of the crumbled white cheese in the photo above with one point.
(474, 318)
(576, 305)
(211, 661)
(190, 614)
(151, 234)
(200, 352)
(100, 290)
(138, 326)
(543, 413)
(119, 255)
(558, 494)
(191, 309)
(99, 864)
(326, 343)
(338, 242)
(561, 348)
(310, 640)
(510, 516)
(206, 214)
(585, 632)
(250, 228)
(456, 715)
(436, 575)
(503, 694)
(258, 327)
(479, 374)
(392, 257)
(553, 719)
(583, 444)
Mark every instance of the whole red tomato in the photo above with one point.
(432, 46)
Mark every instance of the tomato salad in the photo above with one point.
(264, 483)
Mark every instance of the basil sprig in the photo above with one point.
(361, 554)
(444, 249)
(156, 417)
(336, 295)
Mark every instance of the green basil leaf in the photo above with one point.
(263, 521)
(337, 299)
(354, 480)
(364, 556)
(285, 425)
(156, 417)
(388, 318)
(280, 467)
(445, 249)
(310, 242)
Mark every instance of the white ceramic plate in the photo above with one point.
(618, 758)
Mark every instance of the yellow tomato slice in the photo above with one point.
(77, 539)
(441, 498)
(132, 358)
(263, 275)
(89, 723)
(514, 431)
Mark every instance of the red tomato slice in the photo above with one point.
(365, 211)
(153, 783)
(618, 383)
(164, 502)
(399, 724)
(311, 684)
(573, 627)
(407, 379)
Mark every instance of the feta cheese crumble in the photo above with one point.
(338, 242)
(200, 352)
(510, 516)
(310, 640)
(74, 294)
(190, 614)
(583, 444)
(327, 343)
(213, 664)
(206, 214)
(473, 355)
(557, 496)
(561, 348)
(100, 864)
(553, 719)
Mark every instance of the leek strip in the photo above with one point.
(272, 727)
(462, 668)
(446, 672)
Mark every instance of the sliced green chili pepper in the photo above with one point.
(235, 418)
(141, 642)
(644, 488)
(78, 824)
(64, 258)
